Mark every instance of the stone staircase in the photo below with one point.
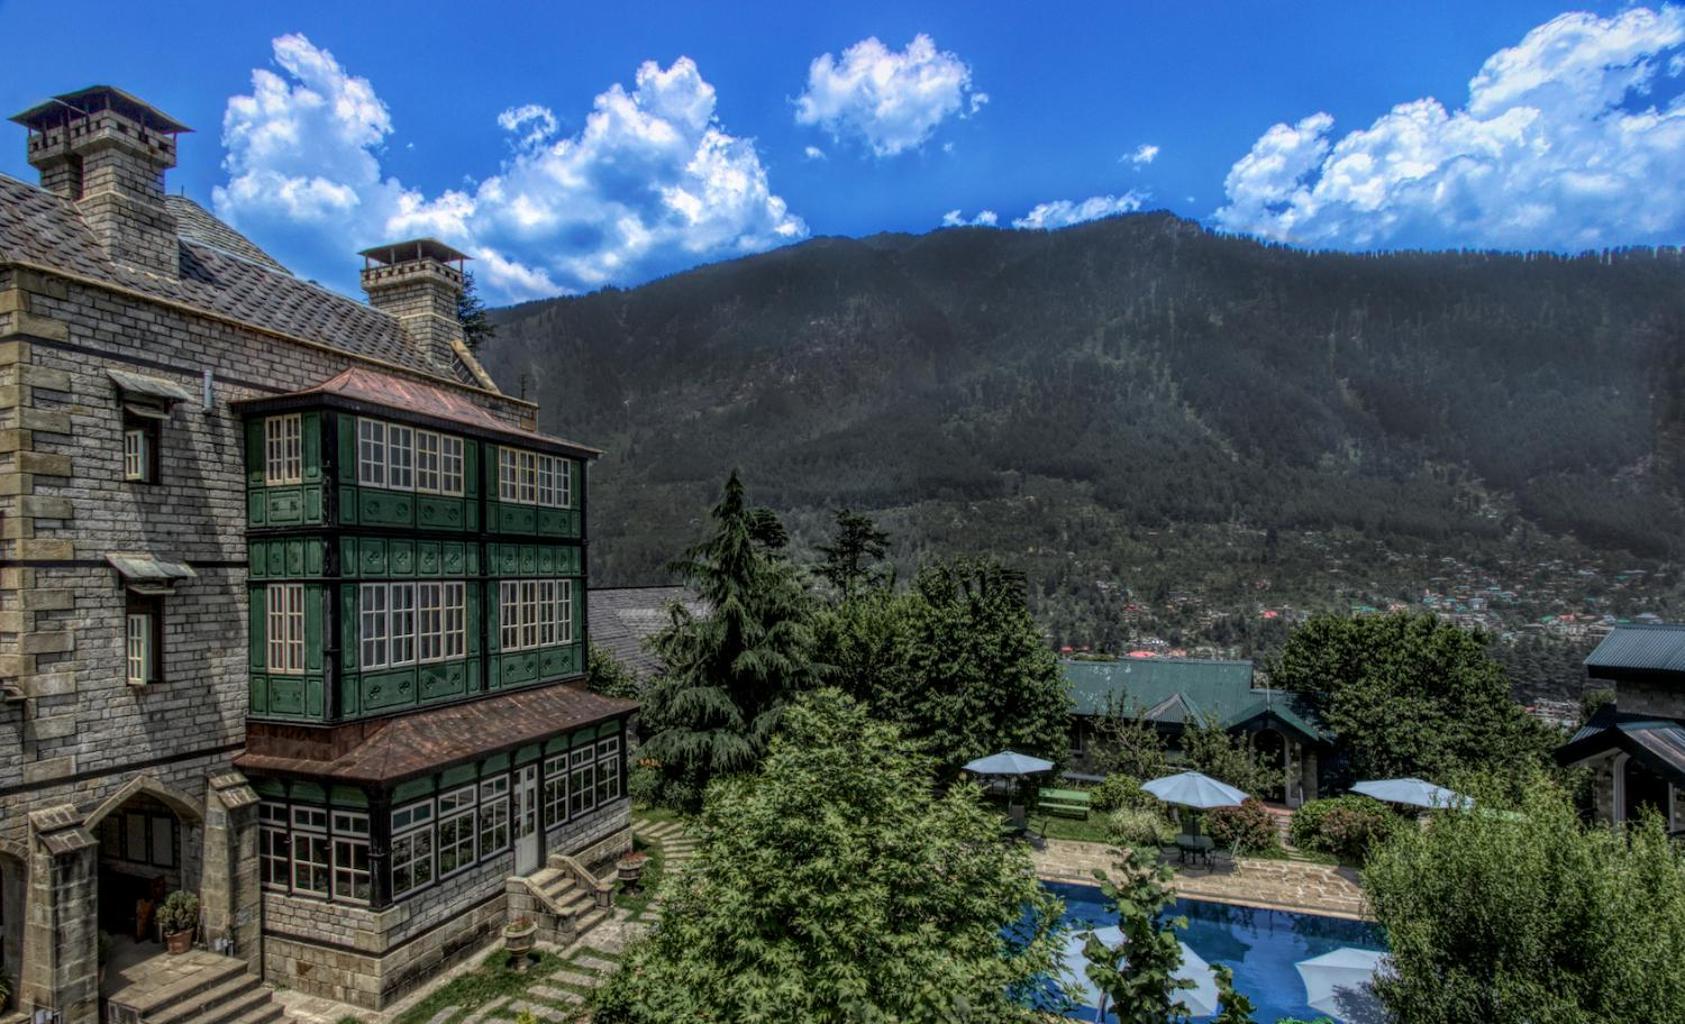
(218, 990)
(564, 909)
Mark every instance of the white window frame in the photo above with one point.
(457, 810)
(508, 475)
(371, 452)
(373, 626)
(455, 628)
(310, 826)
(272, 821)
(284, 626)
(534, 613)
(494, 815)
(412, 831)
(509, 615)
(529, 478)
(350, 834)
(400, 457)
(555, 790)
(427, 462)
(608, 770)
(583, 765)
(450, 464)
(400, 633)
(137, 459)
(139, 635)
(283, 450)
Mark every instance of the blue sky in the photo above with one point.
(727, 128)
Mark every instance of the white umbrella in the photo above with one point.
(1201, 1000)
(1008, 762)
(1414, 792)
(1338, 983)
(1191, 789)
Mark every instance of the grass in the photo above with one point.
(1091, 829)
(475, 988)
(637, 903)
(656, 815)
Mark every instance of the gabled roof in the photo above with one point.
(1657, 743)
(1646, 648)
(358, 389)
(1178, 691)
(623, 618)
(195, 224)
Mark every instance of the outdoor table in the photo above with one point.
(1198, 847)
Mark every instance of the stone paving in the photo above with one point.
(1272, 884)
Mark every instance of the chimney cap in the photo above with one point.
(96, 98)
(414, 249)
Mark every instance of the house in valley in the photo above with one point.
(1174, 693)
(292, 605)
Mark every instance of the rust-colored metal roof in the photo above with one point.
(371, 387)
(389, 750)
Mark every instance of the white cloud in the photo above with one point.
(1569, 139)
(1145, 153)
(652, 183)
(1063, 213)
(893, 101)
(984, 218)
(814, 153)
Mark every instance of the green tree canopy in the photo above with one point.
(834, 886)
(1214, 751)
(1408, 695)
(477, 328)
(1138, 977)
(1531, 916)
(957, 661)
(853, 557)
(730, 670)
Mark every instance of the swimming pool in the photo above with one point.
(1261, 946)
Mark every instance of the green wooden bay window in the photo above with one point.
(284, 470)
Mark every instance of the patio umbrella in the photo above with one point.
(1009, 762)
(1414, 792)
(1338, 984)
(1191, 789)
(1201, 1000)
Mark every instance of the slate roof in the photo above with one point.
(1177, 691)
(393, 749)
(1658, 743)
(360, 386)
(1653, 648)
(221, 272)
(623, 618)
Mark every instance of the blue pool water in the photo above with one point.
(1261, 946)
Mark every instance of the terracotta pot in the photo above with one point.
(179, 942)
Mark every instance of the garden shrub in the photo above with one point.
(1139, 826)
(1346, 826)
(1248, 828)
(1119, 791)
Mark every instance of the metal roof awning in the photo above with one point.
(1657, 743)
(153, 389)
(146, 574)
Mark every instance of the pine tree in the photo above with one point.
(477, 328)
(730, 670)
(852, 554)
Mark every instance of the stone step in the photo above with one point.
(576, 904)
(244, 1001)
(211, 976)
(563, 976)
(541, 1011)
(596, 963)
(269, 1013)
(587, 922)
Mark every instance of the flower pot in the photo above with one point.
(630, 868)
(518, 940)
(179, 942)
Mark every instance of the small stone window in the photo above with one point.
(146, 403)
(143, 617)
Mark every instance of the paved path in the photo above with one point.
(677, 848)
(1273, 884)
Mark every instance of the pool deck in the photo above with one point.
(1297, 886)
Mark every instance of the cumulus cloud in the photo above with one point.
(892, 101)
(814, 153)
(1567, 140)
(1145, 153)
(956, 219)
(652, 182)
(1062, 213)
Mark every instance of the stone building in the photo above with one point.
(1635, 747)
(292, 604)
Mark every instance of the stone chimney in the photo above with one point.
(107, 151)
(418, 282)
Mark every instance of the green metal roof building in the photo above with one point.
(1173, 692)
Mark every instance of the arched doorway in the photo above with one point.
(14, 884)
(1638, 789)
(150, 843)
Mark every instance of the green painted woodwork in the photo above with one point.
(291, 504)
(348, 796)
(309, 792)
(286, 696)
(494, 764)
(461, 775)
(528, 754)
(531, 560)
(530, 520)
(584, 736)
(397, 558)
(269, 787)
(286, 557)
(522, 668)
(414, 789)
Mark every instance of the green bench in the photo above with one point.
(1065, 803)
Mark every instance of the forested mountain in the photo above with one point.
(1139, 411)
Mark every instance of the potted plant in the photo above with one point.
(177, 918)
(518, 938)
(631, 868)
